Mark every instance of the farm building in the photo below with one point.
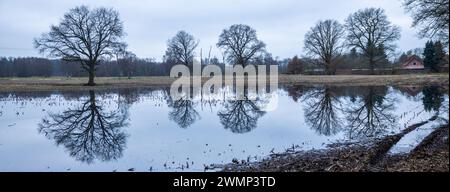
(412, 62)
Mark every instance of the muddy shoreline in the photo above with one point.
(431, 155)
(63, 83)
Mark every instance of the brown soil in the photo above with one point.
(431, 155)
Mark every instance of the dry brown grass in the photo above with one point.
(62, 83)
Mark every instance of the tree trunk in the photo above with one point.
(92, 96)
(372, 66)
(240, 61)
(330, 69)
(91, 75)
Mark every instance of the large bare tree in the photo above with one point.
(371, 113)
(89, 131)
(241, 116)
(181, 48)
(84, 35)
(431, 16)
(240, 44)
(370, 31)
(184, 112)
(324, 40)
(323, 111)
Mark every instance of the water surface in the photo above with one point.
(142, 129)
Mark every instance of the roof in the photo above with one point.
(411, 58)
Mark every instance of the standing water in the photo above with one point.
(143, 129)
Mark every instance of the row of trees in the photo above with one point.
(88, 37)
(369, 33)
(91, 37)
(123, 67)
(240, 44)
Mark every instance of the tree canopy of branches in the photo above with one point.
(370, 31)
(240, 116)
(371, 114)
(322, 111)
(240, 43)
(88, 132)
(181, 48)
(431, 17)
(85, 36)
(324, 40)
(183, 113)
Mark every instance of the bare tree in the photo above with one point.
(240, 44)
(370, 31)
(183, 113)
(323, 110)
(431, 16)
(371, 114)
(181, 48)
(325, 41)
(89, 131)
(127, 63)
(84, 35)
(240, 116)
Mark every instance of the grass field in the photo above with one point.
(63, 83)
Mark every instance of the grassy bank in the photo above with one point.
(63, 83)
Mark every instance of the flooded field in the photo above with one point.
(143, 129)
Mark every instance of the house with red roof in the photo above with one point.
(412, 62)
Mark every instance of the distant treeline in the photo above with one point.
(34, 66)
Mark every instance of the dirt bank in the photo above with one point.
(62, 83)
(430, 155)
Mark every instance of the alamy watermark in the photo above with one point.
(251, 82)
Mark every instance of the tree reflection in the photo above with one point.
(183, 113)
(240, 116)
(432, 99)
(371, 113)
(127, 96)
(296, 91)
(88, 132)
(322, 111)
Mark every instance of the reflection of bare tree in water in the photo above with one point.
(183, 113)
(88, 132)
(322, 111)
(296, 91)
(240, 116)
(127, 96)
(371, 113)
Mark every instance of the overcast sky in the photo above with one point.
(281, 24)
